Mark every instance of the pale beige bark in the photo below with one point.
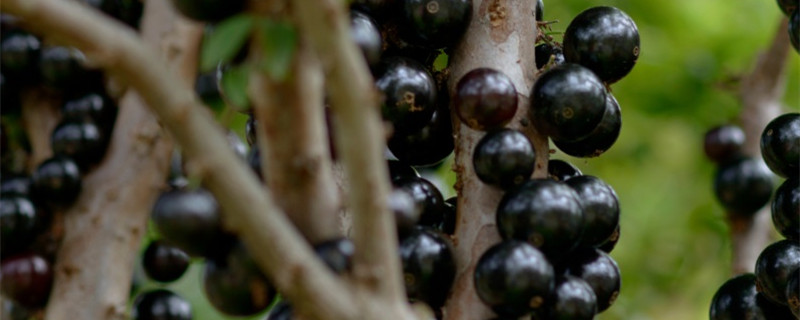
(40, 115)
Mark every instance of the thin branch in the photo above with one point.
(359, 141)
(760, 94)
(504, 42)
(248, 207)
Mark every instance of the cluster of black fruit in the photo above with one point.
(30, 200)
(789, 8)
(744, 185)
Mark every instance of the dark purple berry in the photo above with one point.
(601, 138)
(786, 209)
(426, 196)
(611, 242)
(19, 54)
(337, 254)
(600, 271)
(793, 293)
(485, 99)
(163, 262)
(573, 299)
(504, 158)
(15, 185)
(724, 143)
(539, 10)
(737, 298)
(773, 267)
(56, 182)
(209, 10)
(450, 215)
(428, 146)
(62, 68)
(743, 186)
(560, 170)
(605, 40)
(83, 141)
(513, 278)
(568, 102)
(398, 169)
(600, 209)
(190, 220)
(365, 33)
(428, 266)
(788, 6)
(235, 285)
(94, 107)
(548, 51)
(780, 145)
(207, 87)
(406, 211)
(409, 93)
(161, 304)
(20, 222)
(545, 213)
(27, 279)
(435, 23)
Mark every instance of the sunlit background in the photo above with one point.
(674, 250)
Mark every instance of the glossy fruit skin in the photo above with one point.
(603, 39)
(600, 209)
(435, 23)
(163, 262)
(27, 279)
(94, 107)
(723, 143)
(513, 278)
(545, 213)
(56, 182)
(428, 146)
(208, 10)
(61, 68)
(19, 54)
(504, 158)
(600, 271)
(428, 266)
(611, 242)
(788, 6)
(82, 141)
(568, 102)
(20, 222)
(794, 30)
(601, 138)
(235, 285)
(545, 51)
(560, 170)
(367, 36)
(448, 225)
(426, 196)
(280, 311)
(773, 267)
(190, 220)
(409, 93)
(161, 304)
(337, 254)
(780, 145)
(786, 209)
(573, 299)
(485, 99)
(398, 170)
(737, 298)
(743, 186)
(206, 85)
(793, 293)
(15, 185)
(539, 10)
(406, 211)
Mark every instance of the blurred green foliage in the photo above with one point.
(674, 250)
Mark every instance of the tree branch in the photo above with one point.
(249, 210)
(504, 42)
(40, 115)
(760, 94)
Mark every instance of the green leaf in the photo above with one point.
(279, 42)
(225, 41)
(234, 84)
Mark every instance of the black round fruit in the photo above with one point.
(601, 138)
(568, 102)
(723, 143)
(426, 196)
(27, 279)
(573, 299)
(773, 267)
(793, 293)
(546, 51)
(603, 39)
(428, 146)
(504, 158)
(600, 271)
(365, 33)
(336, 253)
(208, 10)
(190, 220)
(163, 262)
(545, 213)
(409, 93)
(161, 304)
(83, 141)
(786, 209)
(743, 186)
(235, 285)
(15, 185)
(485, 99)
(513, 278)
(398, 170)
(406, 211)
(20, 222)
(450, 215)
(61, 68)
(611, 242)
(94, 107)
(19, 54)
(435, 23)
(560, 170)
(539, 10)
(737, 298)
(788, 6)
(56, 182)
(780, 145)
(600, 209)
(428, 266)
